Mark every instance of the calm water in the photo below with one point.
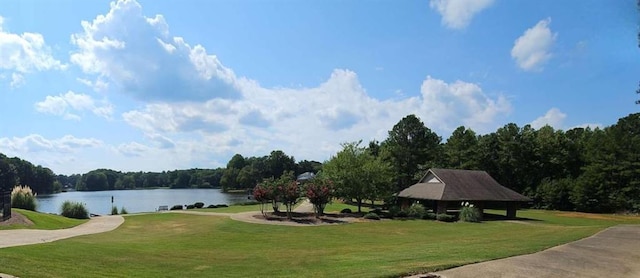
(99, 202)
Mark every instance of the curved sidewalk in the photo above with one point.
(101, 224)
(614, 252)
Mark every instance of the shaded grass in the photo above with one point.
(43, 221)
(180, 245)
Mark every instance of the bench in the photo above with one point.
(161, 208)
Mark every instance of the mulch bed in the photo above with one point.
(304, 218)
(17, 219)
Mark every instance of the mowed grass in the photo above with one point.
(44, 221)
(181, 245)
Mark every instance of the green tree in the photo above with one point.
(356, 174)
(461, 149)
(411, 148)
(8, 177)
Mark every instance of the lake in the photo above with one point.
(147, 200)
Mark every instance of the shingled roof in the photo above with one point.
(460, 185)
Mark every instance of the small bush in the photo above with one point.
(212, 206)
(123, 211)
(445, 217)
(372, 216)
(346, 210)
(416, 211)
(23, 198)
(429, 216)
(191, 206)
(177, 207)
(114, 210)
(74, 210)
(222, 205)
(393, 211)
(469, 214)
(402, 214)
(199, 205)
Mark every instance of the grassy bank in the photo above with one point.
(179, 245)
(44, 221)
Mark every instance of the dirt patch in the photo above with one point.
(17, 219)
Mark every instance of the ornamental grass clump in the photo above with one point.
(74, 210)
(468, 213)
(23, 198)
(416, 211)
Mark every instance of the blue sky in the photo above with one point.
(162, 85)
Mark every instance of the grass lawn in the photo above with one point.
(44, 221)
(181, 245)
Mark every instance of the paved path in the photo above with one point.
(101, 224)
(614, 252)
(304, 207)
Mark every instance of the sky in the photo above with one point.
(162, 85)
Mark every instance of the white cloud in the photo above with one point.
(312, 122)
(457, 14)
(137, 54)
(16, 80)
(24, 53)
(37, 143)
(132, 149)
(65, 104)
(459, 103)
(532, 50)
(554, 118)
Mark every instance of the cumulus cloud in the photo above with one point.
(132, 149)
(24, 53)
(138, 55)
(312, 122)
(554, 118)
(532, 50)
(461, 103)
(38, 143)
(65, 104)
(457, 14)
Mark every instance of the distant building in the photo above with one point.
(306, 176)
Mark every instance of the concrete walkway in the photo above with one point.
(614, 252)
(101, 224)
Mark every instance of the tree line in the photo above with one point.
(15, 171)
(584, 169)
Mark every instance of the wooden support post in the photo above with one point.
(441, 207)
(512, 208)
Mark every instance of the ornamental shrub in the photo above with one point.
(177, 207)
(123, 211)
(346, 210)
(114, 210)
(468, 213)
(191, 206)
(416, 211)
(199, 205)
(222, 205)
(74, 210)
(319, 192)
(212, 206)
(372, 216)
(430, 216)
(23, 198)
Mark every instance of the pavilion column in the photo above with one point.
(480, 207)
(512, 208)
(441, 207)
